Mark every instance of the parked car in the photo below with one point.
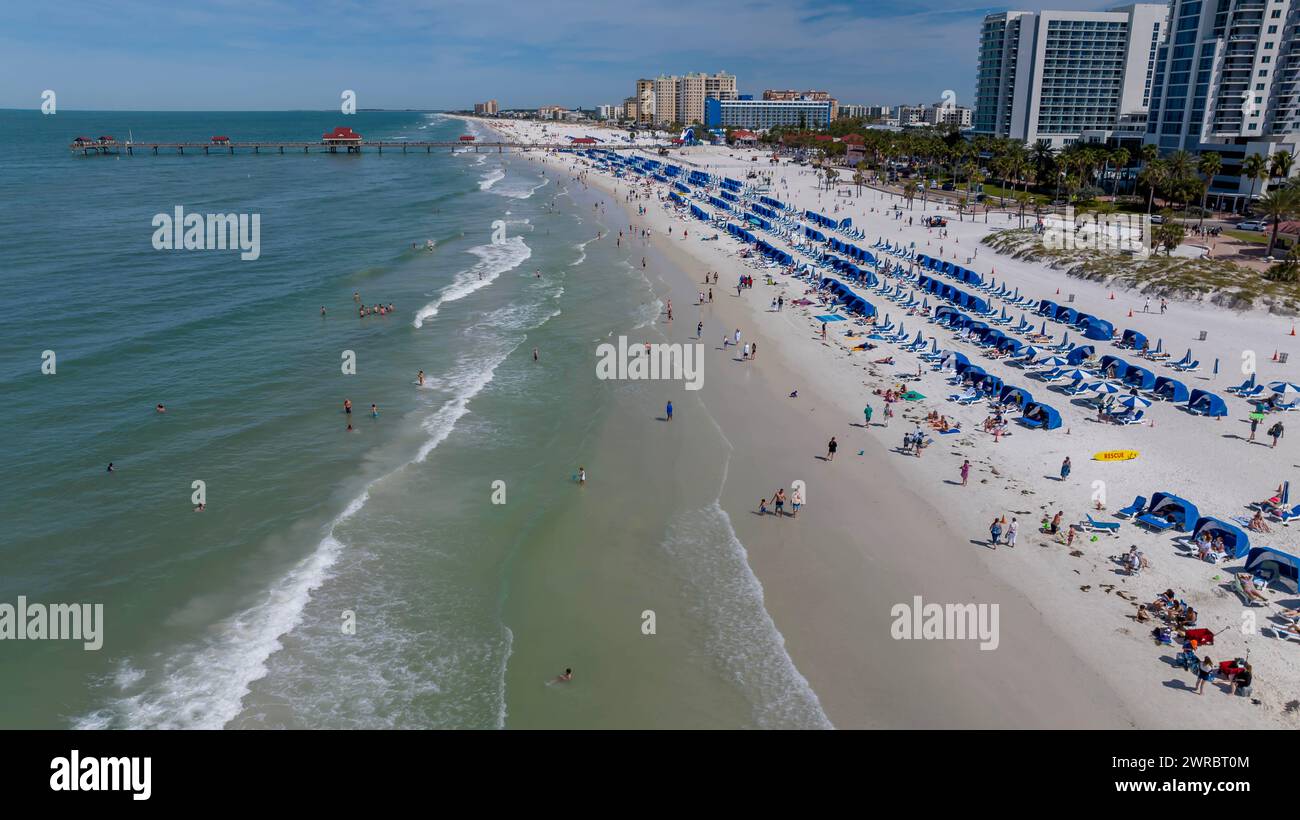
(1157, 219)
(1252, 225)
(948, 186)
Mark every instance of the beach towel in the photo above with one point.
(829, 318)
(912, 395)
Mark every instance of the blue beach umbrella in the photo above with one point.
(1134, 402)
(1104, 388)
(1053, 361)
(1285, 388)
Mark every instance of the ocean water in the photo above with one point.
(463, 604)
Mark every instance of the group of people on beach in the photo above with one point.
(778, 503)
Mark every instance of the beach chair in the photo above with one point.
(1287, 516)
(1139, 504)
(1247, 598)
(1153, 522)
(1191, 367)
(1252, 392)
(1093, 525)
(1131, 418)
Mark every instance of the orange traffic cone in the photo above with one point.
(1292, 330)
(1112, 295)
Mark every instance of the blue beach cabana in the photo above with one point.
(1171, 389)
(1036, 414)
(1094, 328)
(1140, 377)
(1205, 403)
(1133, 339)
(1017, 396)
(1278, 569)
(1234, 538)
(1182, 513)
(1076, 356)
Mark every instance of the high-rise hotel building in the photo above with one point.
(1051, 76)
(1226, 81)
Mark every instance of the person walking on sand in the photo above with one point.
(866, 414)
(965, 472)
(831, 447)
(778, 501)
(995, 533)
(1254, 423)
(1065, 468)
(796, 501)
(670, 411)
(699, 330)
(1012, 529)
(1276, 432)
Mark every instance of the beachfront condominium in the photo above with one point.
(672, 99)
(1226, 81)
(487, 109)
(1050, 76)
(760, 115)
(820, 96)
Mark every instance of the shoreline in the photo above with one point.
(1116, 655)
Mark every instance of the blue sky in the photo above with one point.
(285, 54)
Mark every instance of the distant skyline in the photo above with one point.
(449, 54)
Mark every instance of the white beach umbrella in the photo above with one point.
(1135, 402)
(1053, 361)
(1078, 375)
(1104, 388)
(1285, 388)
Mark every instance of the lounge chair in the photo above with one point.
(1134, 418)
(1139, 504)
(1154, 522)
(1248, 596)
(1287, 516)
(1093, 525)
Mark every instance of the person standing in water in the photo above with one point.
(419, 378)
(374, 411)
(347, 407)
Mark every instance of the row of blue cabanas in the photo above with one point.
(818, 219)
(845, 295)
(763, 210)
(847, 268)
(719, 203)
(740, 233)
(813, 233)
(772, 203)
(772, 252)
(946, 291)
(699, 213)
(1281, 568)
(852, 251)
(759, 221)
(1033, 413)
(727, 195)
(950, 270)
(683, 188)
(732, 184)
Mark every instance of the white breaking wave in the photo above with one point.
(203, 686)
(739, 634)
(494, 260)
(519, 191)
(491, 178)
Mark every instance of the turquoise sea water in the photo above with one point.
(463, 608)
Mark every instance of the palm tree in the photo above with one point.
(909, 193)
(1279, 165)
(1278, 205)
(1119, 158)
(1154, 175)
(1022, 199)
(859, 175)
(1256, 168)
(1179, 167)
(1209, 165)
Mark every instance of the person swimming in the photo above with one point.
(374, 411)
(565, 678)
(160, 408)
(419, 377)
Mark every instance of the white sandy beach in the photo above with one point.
(1083, 661)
